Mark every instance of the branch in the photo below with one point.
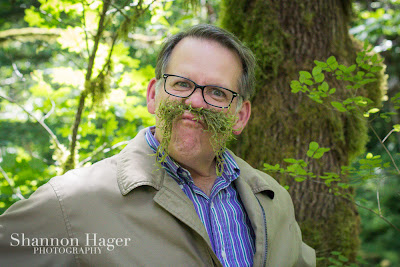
(97, 39)
(95, 152)
(386, 137)
(119, 10)
(16, 70)
(50, 112)
(52, 135)
(383, 145)
(70, 163)
(101, 149)
(374, 212)
(379, 215)
(29, 33)
(84, 28)
(16, 191)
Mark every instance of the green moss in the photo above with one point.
(266, 41)
(357, 125)
(336, 233)
(308, 18)
(218, 123)
(283, 124)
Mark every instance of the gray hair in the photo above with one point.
(226, 39)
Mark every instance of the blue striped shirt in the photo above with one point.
(222, 213)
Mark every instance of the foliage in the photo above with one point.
(64, 59)
(370, 172)
(43, 66)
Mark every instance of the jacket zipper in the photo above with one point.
(266, 234)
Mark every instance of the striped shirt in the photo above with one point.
(222, 213)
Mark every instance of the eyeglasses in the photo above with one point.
(213, 95)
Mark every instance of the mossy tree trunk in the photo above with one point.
(286, 37)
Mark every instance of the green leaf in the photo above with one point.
(331, 60)
(308, 82)
(316, 70)
(291, 160)
(343, 258)
(343, 68)
(332, 91)
(313, 146)
(365, 66)
(373, 110)
(300, 179)
(319, 77)
(269, 167)
(334, 66)
(323, 87)
(320, 64)
(339, 106)
(396, 127)
(375, 68)
(336, 262)
(305, 74)
(318, 155)
(296, 86)
(366, 44)
(351, 68)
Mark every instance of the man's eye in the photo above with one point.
(218, 93)
(183, 84)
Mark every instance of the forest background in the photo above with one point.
(73, 77)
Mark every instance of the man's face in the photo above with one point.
(206, 63)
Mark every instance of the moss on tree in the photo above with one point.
(286, 37)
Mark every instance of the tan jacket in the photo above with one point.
(124, 211)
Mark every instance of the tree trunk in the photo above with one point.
(286, 37)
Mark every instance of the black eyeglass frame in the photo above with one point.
(165, 76)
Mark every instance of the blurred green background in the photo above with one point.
(45, 52)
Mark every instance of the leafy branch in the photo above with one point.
(15, 190)
(40, 121)
(70, 163)
(99, 86)
(313, 84)
(297, 168)
(101, 149)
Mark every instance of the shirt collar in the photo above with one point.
(136, 168)
(231, 169)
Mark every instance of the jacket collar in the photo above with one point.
(255, 178)
(136, 166)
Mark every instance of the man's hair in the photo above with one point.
(226, 39)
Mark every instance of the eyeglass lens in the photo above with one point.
(213, 95)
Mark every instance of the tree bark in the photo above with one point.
(286, 37)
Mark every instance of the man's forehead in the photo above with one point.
(198, 58)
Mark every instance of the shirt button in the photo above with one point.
(212, 205)
(223, 254)
(181, 186)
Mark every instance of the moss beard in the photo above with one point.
(218, 123)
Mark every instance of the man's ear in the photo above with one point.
(243, 117)
(151, 96)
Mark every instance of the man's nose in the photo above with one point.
(196, 100)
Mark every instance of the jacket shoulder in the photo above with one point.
(257, 178)
(100, 175)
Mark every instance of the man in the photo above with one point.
(175, 196)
